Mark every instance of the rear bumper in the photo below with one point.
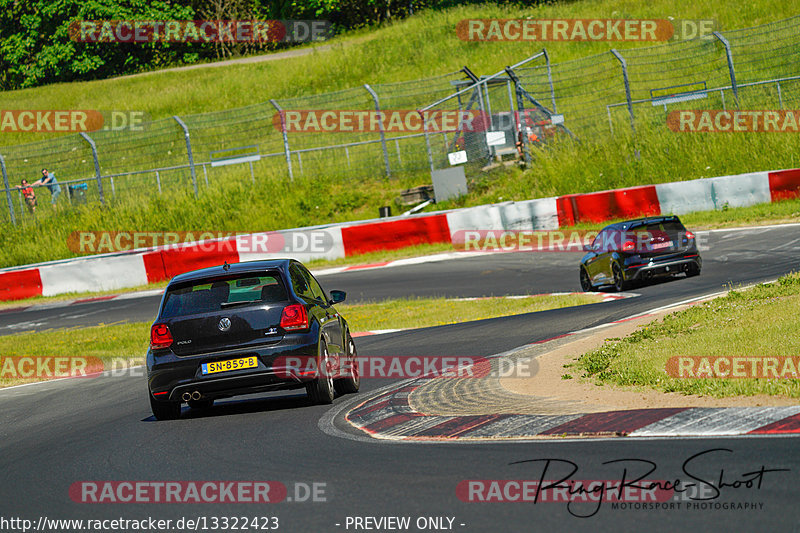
(656, 268)
(289, 364)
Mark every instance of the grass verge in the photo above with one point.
(760, 322)
(122, 345)
(106, 342)
(425, 312)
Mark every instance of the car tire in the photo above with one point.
(321, 390)
(165, 410)
(693, 270)
(586, 283)
(201, 405)
(349, 384)
(619, 279)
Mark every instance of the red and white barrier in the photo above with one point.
(138, 267)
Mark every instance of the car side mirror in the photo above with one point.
(587, 248)
(337, 297)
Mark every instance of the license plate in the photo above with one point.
(659, 245)
(230, 364)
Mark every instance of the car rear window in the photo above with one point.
(212, 295)
(663, 230)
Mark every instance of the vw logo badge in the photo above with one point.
(224, 324)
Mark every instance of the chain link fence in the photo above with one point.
(522, 106)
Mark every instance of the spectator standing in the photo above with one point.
(49, 181)
(30, 197)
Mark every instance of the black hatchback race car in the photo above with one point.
(639, 250)
(244, 328)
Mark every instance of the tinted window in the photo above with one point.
(212, 295)
(607, 240)
(661, 231)
(316, 288)
(300, 283)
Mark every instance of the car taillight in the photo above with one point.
(628, 246)
(160, 336)
(689, 234)
(294, 317)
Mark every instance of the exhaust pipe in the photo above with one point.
(196, 395)
(186, 396)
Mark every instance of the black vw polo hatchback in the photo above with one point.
(639, 250)
(246, 328)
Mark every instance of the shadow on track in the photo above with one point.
(232, 407)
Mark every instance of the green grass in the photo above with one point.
(108, 342)
(120, 346)
(328, 192)
(425, 312)
(421, 46)
(758, 322)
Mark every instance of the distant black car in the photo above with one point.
(638, 250)
(244, 328)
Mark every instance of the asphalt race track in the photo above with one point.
(55, 434)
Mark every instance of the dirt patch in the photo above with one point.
(544, 392)
(548, 382)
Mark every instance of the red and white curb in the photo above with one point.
(389, 416)
(374, 332)
(606, 297)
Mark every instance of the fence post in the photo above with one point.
(526, 153)
(627, 85)
(285, 138)
(727, 46)
(550, 80)
(188, 151)
(380, 125)
(427, 139)
(96, 166)
(8, 191)
(513, 113)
